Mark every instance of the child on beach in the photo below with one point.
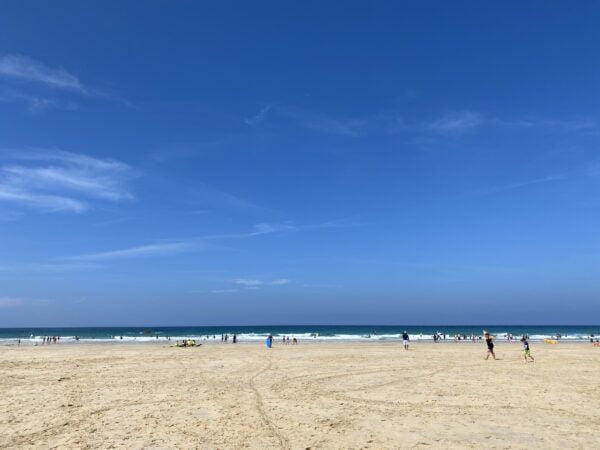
(526, 354)
(489, 340)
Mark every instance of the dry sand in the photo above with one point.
(314, 395)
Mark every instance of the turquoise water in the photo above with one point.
(301, 332)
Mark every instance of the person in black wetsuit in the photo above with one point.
(489, 340)
(405, 340)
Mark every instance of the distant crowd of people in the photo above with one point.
(50, 339)
(437, 337)
(286, 340)
(225, 338)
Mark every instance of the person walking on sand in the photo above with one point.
(489, 340)
(526, 351)
(405, 340)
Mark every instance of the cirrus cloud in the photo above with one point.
(56, 180)
(22, 68)
(255, 282)
(10, 302)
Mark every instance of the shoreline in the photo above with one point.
(171, 343)
(303, 334)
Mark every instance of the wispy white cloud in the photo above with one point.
(48, 268)
(10, 302)
(41, 87)
(348, 127)
(36, 102)
(321, 286)
(257, 230)
(68, 178)
(519, 185)
(451, 124)
(214, 199)
(200, 243)
(50, 203)
(581, 124)
(259, 117)
(248, 282)
(455, 123)
(461, 122)
(166, 248)
(61, 156)
(266, 228)
(159, 249)
(22, 68)
(339, 223)
(54, 180)
(251, 284)
(256, 282)
(323, 123)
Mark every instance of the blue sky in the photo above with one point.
(187, 163)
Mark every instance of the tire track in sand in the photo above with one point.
(283, 442)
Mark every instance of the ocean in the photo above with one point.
(364, 333)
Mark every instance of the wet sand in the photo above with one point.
(343, 395)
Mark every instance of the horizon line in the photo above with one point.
(309, 325)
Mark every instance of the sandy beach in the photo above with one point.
(340, 395)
